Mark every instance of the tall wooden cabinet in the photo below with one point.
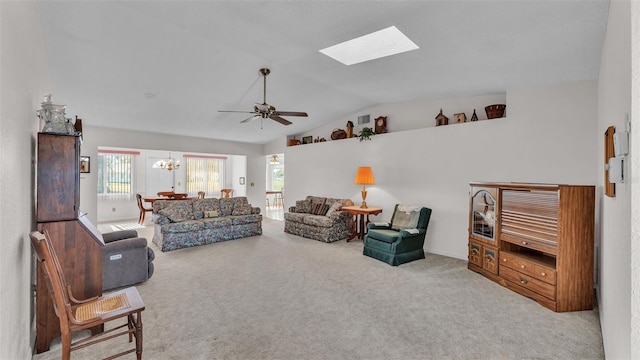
(76, 241)
(535, 239)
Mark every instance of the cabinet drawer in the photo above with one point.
(527, 267)
(526, 281)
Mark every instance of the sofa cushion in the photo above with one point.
(316, 199)
(317, 220)
(202, 205)
(184, 226)
(294, 216)
(217, 222)
(303, 206)
(178, 211)
(246, 219)
(385, 235)
(241, 210)
(226, 206)
(405, 217)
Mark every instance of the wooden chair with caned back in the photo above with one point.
(226, 193)
(76, 315)
(143, 210)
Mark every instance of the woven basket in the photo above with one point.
(495, 111)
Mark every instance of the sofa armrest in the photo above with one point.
(119, 235)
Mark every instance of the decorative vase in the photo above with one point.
(54, 118)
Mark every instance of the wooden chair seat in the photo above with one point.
(76, 315)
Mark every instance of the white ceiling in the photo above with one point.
(196, 57)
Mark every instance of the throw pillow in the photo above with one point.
(315, 208)
(405, 218)
(242, 210)
(303, 206)
(211, 213)
(335, 207)
(322, 210)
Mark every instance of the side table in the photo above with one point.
(360, 224)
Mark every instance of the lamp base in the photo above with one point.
(364, 196)
(364, 205)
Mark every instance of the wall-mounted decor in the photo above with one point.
(364, 119)
(307, 139)
(85, 164)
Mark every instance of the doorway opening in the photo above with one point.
(274, 205)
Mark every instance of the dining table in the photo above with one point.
(156, 198)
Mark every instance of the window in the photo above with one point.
(204, 173)
(115, 174)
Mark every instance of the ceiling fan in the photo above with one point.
(264, 110)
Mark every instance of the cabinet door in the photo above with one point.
(58, 177)
(490, 259)
(475, 254)
(482, 215)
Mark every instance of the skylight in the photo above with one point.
(385, 42)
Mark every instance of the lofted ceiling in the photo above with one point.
(169, 66)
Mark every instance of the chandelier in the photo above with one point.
(170, 164)
(274, 160)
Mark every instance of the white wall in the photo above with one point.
(614, 101)
(635, 180)
(548, 136)
(96, 136)
(24, 80)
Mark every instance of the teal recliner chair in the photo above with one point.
(400, 241)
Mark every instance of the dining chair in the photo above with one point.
(143, 210)
(75, 315)
(226, 193)
(201, 194)
(166, 193)
(278, 200)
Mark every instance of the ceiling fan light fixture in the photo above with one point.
(378, 44)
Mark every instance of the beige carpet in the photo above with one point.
(280, 296)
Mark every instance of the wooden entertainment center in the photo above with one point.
(535, 239)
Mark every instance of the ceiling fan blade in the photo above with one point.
(249, 118)
(279, 119)
(237, 111)
(291, 113)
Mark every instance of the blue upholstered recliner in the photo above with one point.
(401, 240)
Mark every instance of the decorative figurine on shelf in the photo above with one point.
(441, 119)
(474, 117)
(349, 129)
(381, 124)
(459, 118)
(54, 118)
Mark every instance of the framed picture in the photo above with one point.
(85, 164)
(242, 180)
(307, 139)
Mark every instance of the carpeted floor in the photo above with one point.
(280, 296)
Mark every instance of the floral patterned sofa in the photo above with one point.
(185, 223)
(319, 218)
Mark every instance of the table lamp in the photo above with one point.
(364, 176)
